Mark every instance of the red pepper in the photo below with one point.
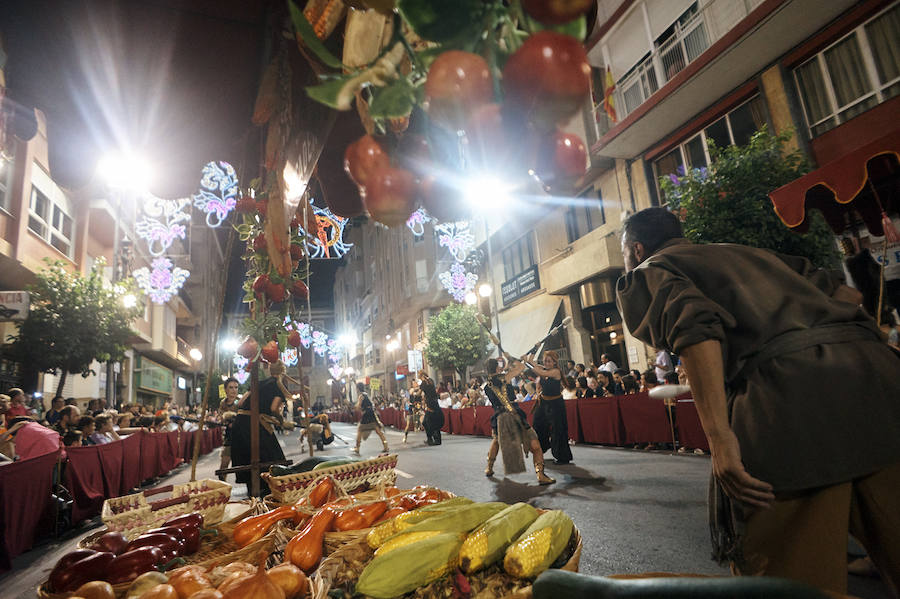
(132, 564)
(168, 543)
(75, 574)
(194, 518)
(114, 542)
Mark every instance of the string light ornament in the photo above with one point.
(242, 376)
(335, 371)
(457, 238)
(240, 361)
(417, 221)
(161, 223)
(319, 342)
(290, 356)
(219, 192)
(162, 280)
(458, 282)
(334, 351)
(327, 241)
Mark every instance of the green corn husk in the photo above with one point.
(489, 542)
(406, 568)
(460, 520)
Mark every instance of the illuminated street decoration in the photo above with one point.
(290, 356)
(319, 342)
(458, 282)
(305, 330)
(162, 280)
(240, 361)
(457, 238)
(334, 351)
(327, 241)
(160, 226)
(219, 194)
(242, 376)
(417, 220)
(335, 371)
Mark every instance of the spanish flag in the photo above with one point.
(609, 101)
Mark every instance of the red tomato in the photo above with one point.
(390, 195)
(270, 352)
(458, 82)
(299, 290)
(362, 157)
(547, 80)
(293, 339)
(556, 12)
(249, 348)
(563, 156)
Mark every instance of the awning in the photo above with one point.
(865, 181)
(525, 324)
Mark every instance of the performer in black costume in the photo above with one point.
(368, 422)
(496, 388)
(550, 421)
(414, 411)
(434, 416)
(271, 396)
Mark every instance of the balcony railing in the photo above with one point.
(691, 37)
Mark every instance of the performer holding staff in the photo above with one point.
(369, 421)
(434, 416)
(413, 410)
(551, 411)
(509, 427)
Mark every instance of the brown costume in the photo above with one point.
(813, 392)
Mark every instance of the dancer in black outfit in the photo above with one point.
(368, 422)
(550, 414)
(434, 416)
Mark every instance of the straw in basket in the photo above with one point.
(372, 473)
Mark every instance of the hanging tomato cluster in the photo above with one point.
(485, 95)
(276, 276)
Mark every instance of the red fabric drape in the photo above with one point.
(149, 461)
(467, 421)
(456, 426)
(111, 466)
(483, 420)
(599, 420)
(644, 419)
(186, 445)
(573, 420)
(84, 479)
(25, 489)
(687, 422)
(448, 427)
(131, 461)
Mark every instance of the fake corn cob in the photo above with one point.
(408, 567)
(386, 530)
(539, 545)
(487, 544)
(460, 520)
(405, 538)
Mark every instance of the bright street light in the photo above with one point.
(487, 194)
(195, 354)
(129, 300)
(230, 344)
(471, 298)
(125, 171)
(329, 382)
(349, 371)
(348, 339)
(485, 290)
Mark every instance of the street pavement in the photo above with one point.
(638, 511)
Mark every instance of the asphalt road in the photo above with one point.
(638, 511)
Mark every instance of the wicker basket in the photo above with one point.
(359, 550)
(133, 514)
(377, 471)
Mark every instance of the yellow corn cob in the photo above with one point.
(539, 545)
(408, 567)
(459, 520)
(487, 544)
(386, 530)
(404, 539)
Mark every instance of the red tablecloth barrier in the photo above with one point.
(467, 421)
(149, 461)
(111, 458)
(483, 420)
(644, 420)
(25, 489)
(599, 420)
(448, 426)
(131, 461)
(456, 426)
(573, 421)
(84, 479)
(687, 423)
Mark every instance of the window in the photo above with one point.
(518, 256)
(736, 127)
(856, 73)
(584, 215)
(6, 168)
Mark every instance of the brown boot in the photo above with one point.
(489, 471)
(542, 478)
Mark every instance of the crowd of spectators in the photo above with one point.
(28, 428)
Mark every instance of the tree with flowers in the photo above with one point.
(729, 202)
(456, 339)
(74, 320)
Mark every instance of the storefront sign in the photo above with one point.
(13, 305)
(403, 369)
(521, 285)
(153, 377)
(375, 384)
(414, 357)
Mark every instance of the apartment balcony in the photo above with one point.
(717, 49)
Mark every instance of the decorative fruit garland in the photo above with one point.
(457, 89)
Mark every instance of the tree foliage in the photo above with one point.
(729, 203)
(74, 320)
(455, 338)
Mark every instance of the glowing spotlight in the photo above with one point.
(471, 298)
(230, 344)
(487, 193)
(129, 300)
(125, 171)
(485, 290)
(195, 354)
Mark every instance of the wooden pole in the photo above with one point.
(253, 487)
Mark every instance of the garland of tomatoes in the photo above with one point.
(463, 89)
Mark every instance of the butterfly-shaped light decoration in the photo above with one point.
(160, 224)
(327, 241)
(458, 282)
(162, 280)
(416, 221)
(290, 356)
(457, 238)
(335, 371)
(219, 192)
(319, 342)
(242, 376)
(240, 361)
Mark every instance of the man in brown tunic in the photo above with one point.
(798, 395)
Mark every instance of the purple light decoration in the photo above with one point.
(416, 221)
(242, 376)
(335, 371)
(219, 194)
(240, 361)
(458, 282)
(319, 342)
(290, 356)
(456, 238)
(162, 280)
(160, 225)
(305, 330)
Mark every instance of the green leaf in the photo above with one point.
(394, 100)
(577, 28)
(328, 93)
(310, 40)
